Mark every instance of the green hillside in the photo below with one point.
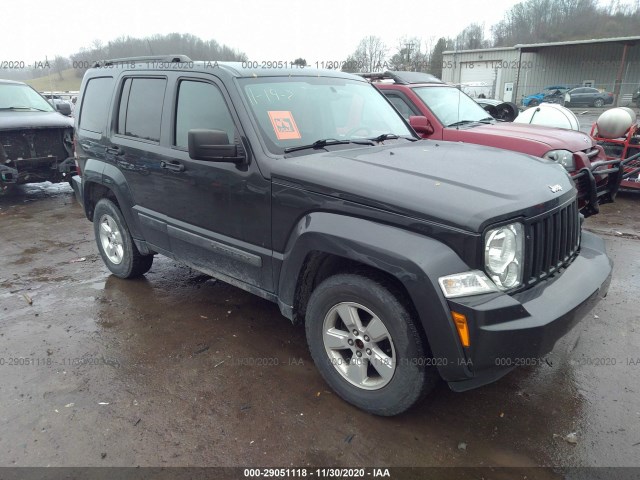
(70, 82)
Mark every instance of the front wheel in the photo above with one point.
(116, 246)
(367, 346)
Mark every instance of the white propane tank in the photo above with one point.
(549, 115)
(614, 122)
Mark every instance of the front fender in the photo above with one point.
(415, 260)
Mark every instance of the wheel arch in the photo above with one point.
(102, 180)
(324, 244)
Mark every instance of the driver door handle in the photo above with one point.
(173, 165)
(115, 150)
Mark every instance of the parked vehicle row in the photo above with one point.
(446, 113)
(570, 96)
(551, 91)
(407, 261)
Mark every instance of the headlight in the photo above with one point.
(563, 157)
(467, 283)
(503, 255)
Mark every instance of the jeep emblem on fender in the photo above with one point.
(555, 188)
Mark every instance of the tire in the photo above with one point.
(116, 246)
(507, 112)
(394, 372)
(599, 103)
(533, 103)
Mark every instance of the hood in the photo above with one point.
(521, 137)
(464, 186)
(13, 120)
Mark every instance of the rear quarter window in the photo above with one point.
(95, 104)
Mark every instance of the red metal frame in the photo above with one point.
(623, 147)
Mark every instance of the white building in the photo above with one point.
(611, 64)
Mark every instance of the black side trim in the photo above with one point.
(214, 246)
(152, 223)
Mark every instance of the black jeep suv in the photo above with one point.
(406, 259)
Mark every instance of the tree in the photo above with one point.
(369, 56)
(436, 60)
(536, 21)
(471, 38)
(409, 56)
(59, 64)
(172, 43)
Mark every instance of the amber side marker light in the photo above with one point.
(461, 325)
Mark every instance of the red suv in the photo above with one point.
(442, 112)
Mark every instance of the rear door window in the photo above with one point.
(140, 111)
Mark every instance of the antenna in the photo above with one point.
(455, 51)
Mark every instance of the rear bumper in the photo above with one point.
(518, 330)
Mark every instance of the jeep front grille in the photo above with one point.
(552, 242)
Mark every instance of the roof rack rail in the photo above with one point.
(401, 78)
(156, 58)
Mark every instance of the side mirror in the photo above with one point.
(421, 125)
(212, 145)
(64, 108)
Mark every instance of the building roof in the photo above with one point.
(495, 49)
(534, 47)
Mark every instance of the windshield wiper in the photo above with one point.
(461, 122)
(22, 108)
(391, 136)
(318, 144)
(465, 122)
(385, 136)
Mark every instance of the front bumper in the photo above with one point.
(598, 185)
(37, 169)
(512, 330)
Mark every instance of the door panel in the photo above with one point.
(212, 215)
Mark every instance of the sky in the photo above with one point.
(319, 31)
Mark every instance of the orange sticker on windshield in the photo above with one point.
(284, 125)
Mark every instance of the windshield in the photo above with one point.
(297, 111)
(22, 97)
(451, 106)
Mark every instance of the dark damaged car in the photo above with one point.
(36, 141)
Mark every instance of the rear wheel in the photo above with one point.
(534, 103)
(598, 103)
(367, 345)
(116, 246)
